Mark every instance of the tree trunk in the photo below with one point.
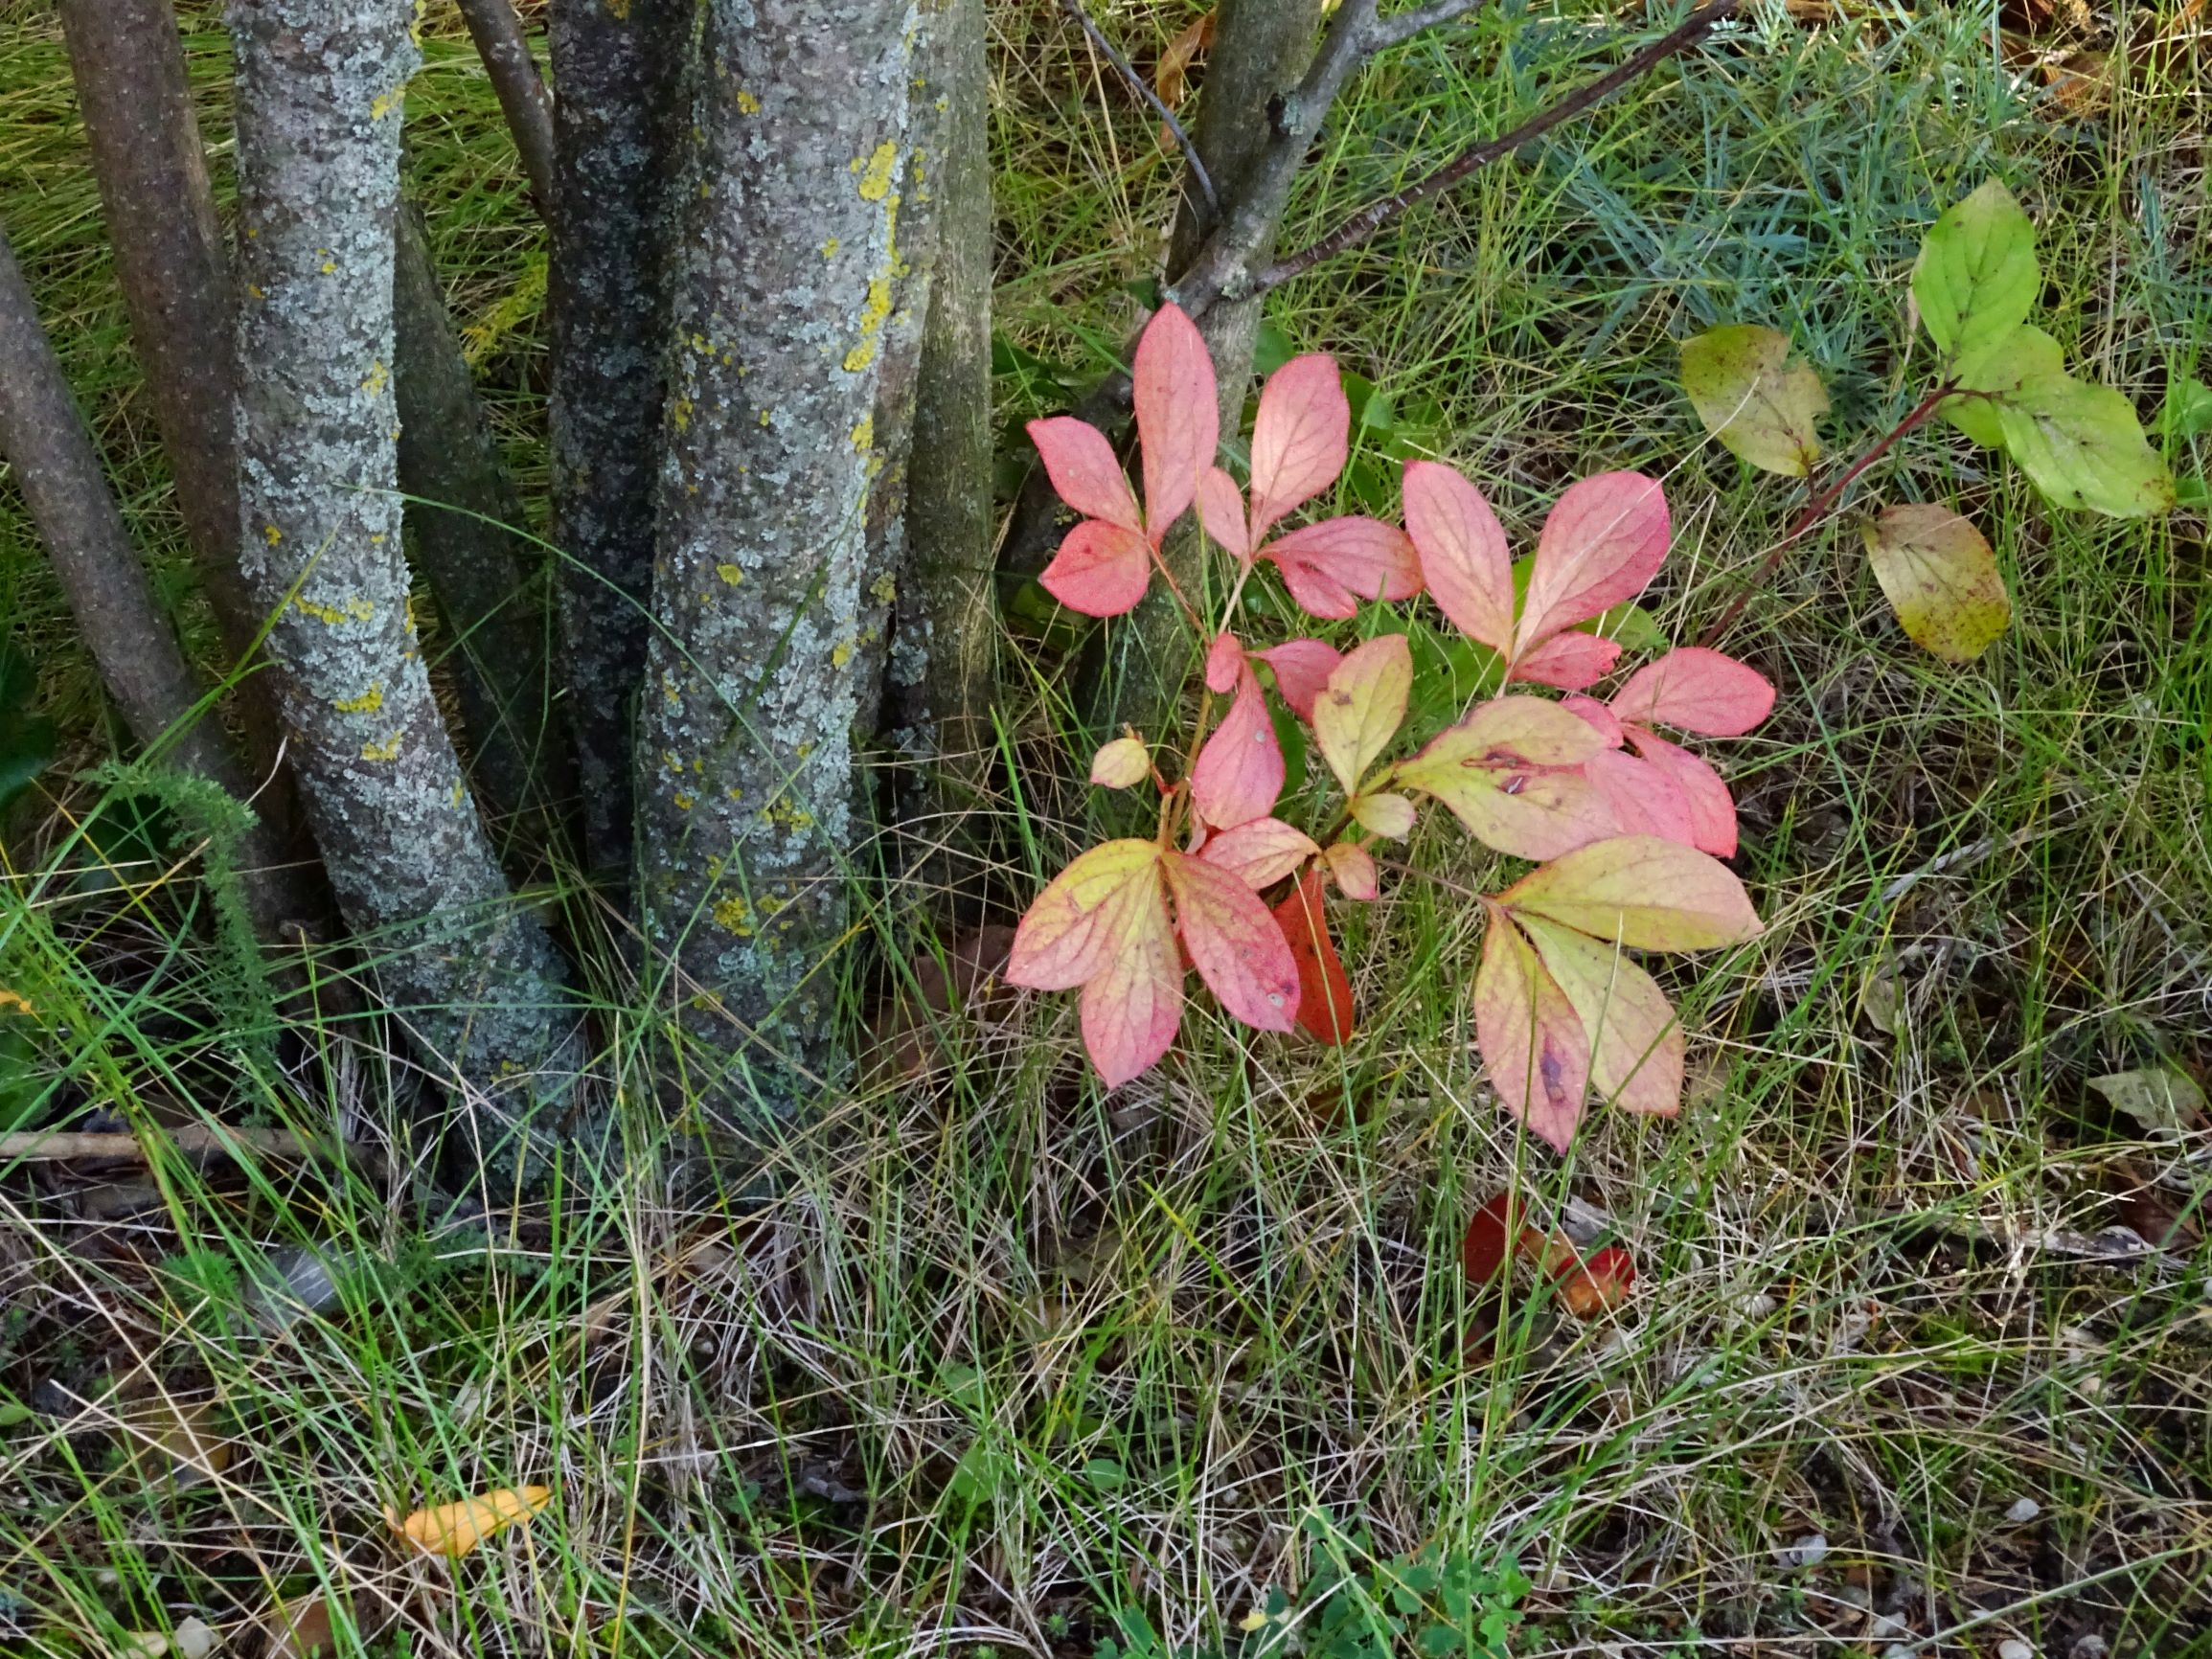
(1261, 48)
(127, 61)
(519, 88)
(783, 293)
(617, 120)
(482, 571)
(118, 616)
(945, 627)
(319, 87)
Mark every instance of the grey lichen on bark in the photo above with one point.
(319, 91)
(465, 527)
(784, 291)
(943, 630)
(618, 119)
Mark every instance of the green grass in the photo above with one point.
(1001, 1357)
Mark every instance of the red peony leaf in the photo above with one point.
(1568, 661)
(1324, 991)
(1593, 1286)
(1084, 471)
(1354, 868)
(1462, 550)
(1532, 1042)
(1330, 567)
(1712, 808)
(1221, 510)
(1300, 438)
(1101, 569)
(1604, 540)
(1302, 668)
(1235, 945)
(1697, 691)
(1260, 852)
(1240, 771)
(1089, 912)
(1492, 1241)
(1225, 662)
(1179, 418)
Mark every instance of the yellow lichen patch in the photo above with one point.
(700, 343)
(680, 414)
(271, 534)
(377, 379)
(672, 760)
(618, 9)
(384, 103)
(875, 172)
(765, 415)
(830, 248)
(387, 750)
(840, 653)
(864, 433)
(354, 609)
(885, 588)
(748, 104)
(730, 574)
(873, 313)
(685, 802)
(367, 703)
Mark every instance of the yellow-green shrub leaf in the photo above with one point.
(1941, 579)
(1976, 277)
(2082, 446)
(2002, 369)
(1751, 397)
(1636, 1044)
(1639, 891)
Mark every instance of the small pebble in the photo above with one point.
(195, 1640)
(1810, 1551)
(2023, 1511)
(1899, 1650)
(2013, 1648)
(2089, 1647)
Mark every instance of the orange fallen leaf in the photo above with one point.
(20, 1004)
(1172, 79)
(453, 1530)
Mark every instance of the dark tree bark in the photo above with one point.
(482, 571)
(945, 624)
(784, 291)
(519, 88)
(1260, 49)
(127, 61)
(45, 443)
(617, 70)
(319, 88)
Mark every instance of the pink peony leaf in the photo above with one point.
(1511, 773)
(1225, 662)
(1712, 808)
(1697, 691)
(1604, 540)
(1236, 947)
(1532, 1041)
(1568, 661)
(1131, 1008)
(1101, 569)
(1300, 438)
(1330, 567)
(1462, 552)
(1240, 771)
(1601, 719)
(1086, 914)
(1302, 668)
(1084, 471)
(1260, 852)
(1354, 868)
(1645, 800)
(1178, 419)
(1221, 510)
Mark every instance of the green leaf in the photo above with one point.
(1635, 626)
(1976, 278)
(1941, 579)
(1750, 397)
(1106, 1474)
(1271, 348)
(2082, 446)
(2003, 369)
(2188, 409)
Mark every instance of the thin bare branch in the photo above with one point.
(1372, 218)
(496, 30)
(1401, 27)
(1143, 88)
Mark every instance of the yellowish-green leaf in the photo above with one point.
(1361, 707)
(2082, 446)
(1120, 765)
(2002, 369)
(1506, 773)
(1636, 1044)
(2188, 409)
(1387, 816)
(455, 1528)
(2162, 1100)
(1750, 397)
(1639, 891)
(1976, 278)
(1941, 579)
(1533, 1045)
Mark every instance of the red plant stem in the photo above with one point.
(1818, 508)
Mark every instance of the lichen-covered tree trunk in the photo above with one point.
(944, 631)
(120, 620)
(1260, 49)
(618, 119)
(127, 61)
(483, 573)
(783, 292)
(319, 89)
